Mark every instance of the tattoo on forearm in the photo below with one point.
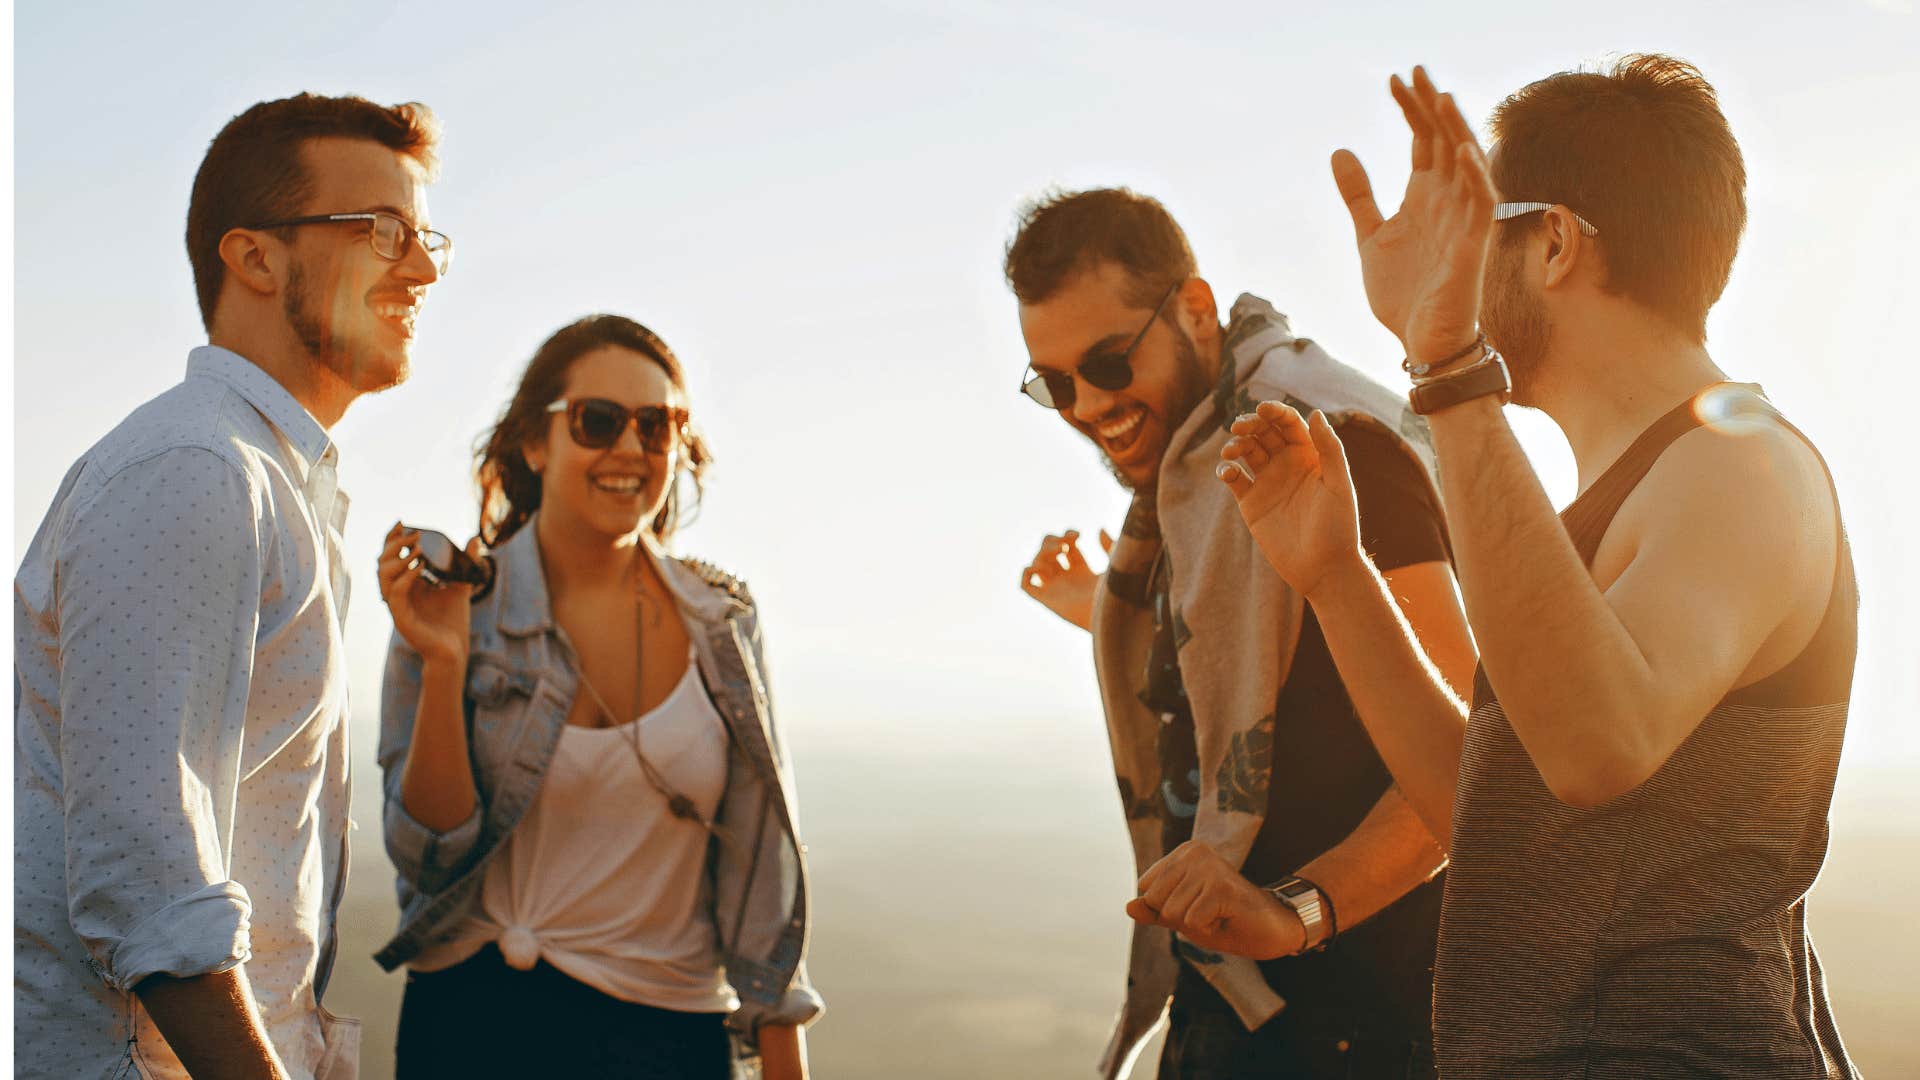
(1248, 769)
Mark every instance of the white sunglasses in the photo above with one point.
(1505, 210)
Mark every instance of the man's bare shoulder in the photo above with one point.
(1744, 487)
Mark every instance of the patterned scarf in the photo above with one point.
(1235, 625)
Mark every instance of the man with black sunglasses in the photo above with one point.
(180, 779)
(1234, 740)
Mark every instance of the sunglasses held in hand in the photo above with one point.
(596, 423)
(442, 561)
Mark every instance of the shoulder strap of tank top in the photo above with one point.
(1587, 517)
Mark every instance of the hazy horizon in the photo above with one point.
(999, 948)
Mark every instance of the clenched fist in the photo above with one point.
(1198, 895)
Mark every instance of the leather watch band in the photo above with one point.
(1486, 377)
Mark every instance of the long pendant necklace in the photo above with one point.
(678, 804)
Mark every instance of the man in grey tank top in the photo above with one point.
(1637, 799)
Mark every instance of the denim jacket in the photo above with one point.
(521, 679)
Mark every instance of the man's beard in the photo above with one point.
(1189, 389)
(350, 361)
(1515, 321)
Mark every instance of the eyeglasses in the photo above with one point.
(596, 423)
(1109, 371)
(390, 236)
(1506, 210)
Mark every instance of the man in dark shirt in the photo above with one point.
(1088, 269)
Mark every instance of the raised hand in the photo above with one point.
(1195, 893)
(432, 618)
(1423, 266)
(1060, 578)
(1290, 479)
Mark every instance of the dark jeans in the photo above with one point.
(1210, 1043)
(482, 1018)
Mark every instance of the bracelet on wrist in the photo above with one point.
(1487, 356)
(1419, 371)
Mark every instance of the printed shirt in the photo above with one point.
(1326, 774)
(180, 715)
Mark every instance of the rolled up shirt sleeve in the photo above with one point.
(424, 857)
(159, 585)
(798, 1006)
(801, 1004)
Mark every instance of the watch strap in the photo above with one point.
(1486, 377)
(1311, 905)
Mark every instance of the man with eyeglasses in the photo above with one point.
(180, 779)
(1637, 798)
(1234, 741)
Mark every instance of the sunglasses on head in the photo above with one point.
(596, 423)
(1107, 371)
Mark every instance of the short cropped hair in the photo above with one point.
(1062, 234)
(254, 172)
(1643, 152)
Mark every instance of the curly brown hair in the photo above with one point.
(510, 489)
(1062, 233)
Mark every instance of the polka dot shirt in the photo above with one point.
(180, 728)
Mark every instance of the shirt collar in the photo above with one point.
(268, 397)
(526, 608)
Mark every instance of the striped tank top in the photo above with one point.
(1664, 933)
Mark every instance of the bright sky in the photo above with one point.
(810, 206)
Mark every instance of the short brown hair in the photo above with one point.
(509, 488)
(1062, 234)
(253, 171)
(1642, 151)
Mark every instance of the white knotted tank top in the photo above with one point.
(600, 879)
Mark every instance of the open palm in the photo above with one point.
(1423, 266)
(1295, 493)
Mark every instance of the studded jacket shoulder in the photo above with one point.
(718, 578)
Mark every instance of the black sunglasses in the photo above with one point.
(1108, 371)
(596, 423)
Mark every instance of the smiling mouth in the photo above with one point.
(1118, 434)
(625, 485)
(398, 314)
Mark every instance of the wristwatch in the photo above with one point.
(1313, 907)
(1487, 375)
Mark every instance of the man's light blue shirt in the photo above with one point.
(180, 729)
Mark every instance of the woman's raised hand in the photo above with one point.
(432, 618)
